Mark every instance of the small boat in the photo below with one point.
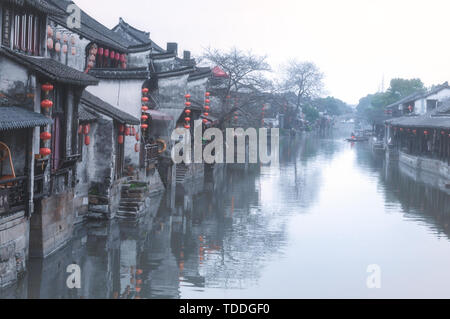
(358, 139)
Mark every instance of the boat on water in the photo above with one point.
(359, 137)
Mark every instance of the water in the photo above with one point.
(308, 228)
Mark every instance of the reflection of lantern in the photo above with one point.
(50, 44)
(49, 31)
(144, 108)
(87, 140)
(45, 151)
(45, 136)
(120, 139)
(46, 104)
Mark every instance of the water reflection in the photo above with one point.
(305, 228)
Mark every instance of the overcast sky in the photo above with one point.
(354, 42)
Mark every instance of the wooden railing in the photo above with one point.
(13, 195)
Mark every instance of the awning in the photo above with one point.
(14, 118)
(211, 119)
(160, 116)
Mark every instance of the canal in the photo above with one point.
(308, 228)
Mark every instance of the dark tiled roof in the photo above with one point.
(51, 69)
(437, 119)
(127, 74)
(39, 5)
(13, 118)
(90, 101)
(92, 29)
(137, 38)
(163, 55)
(173, 73)
(86, 116)
(200, 73)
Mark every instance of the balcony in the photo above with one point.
(13, 195)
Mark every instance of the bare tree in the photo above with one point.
(304, 79)
(242, 89)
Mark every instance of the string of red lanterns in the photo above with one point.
(46, 105)
(187, 118)
(207, 106)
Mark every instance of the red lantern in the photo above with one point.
(145, 90)
(207, 94)
(206, 114)
(425, 132)
(144, 117)
(187, 126)
(87, 129)
(47, 87)
(122, 58)
(133, 131)
(207, 107)
(205, 121)
(87, 140)
(145, 99)
(120, 139)
(50, 44)
(64, 48)
(112, 55)
(144, 108)
(235, 117)
(45, 151)
(58, 47)
(188, 112)
(442, 133)
(74, 50)
(137, 137)
(207, 101)
(117, 57)
(228, 97)
(127, 131)
(187, 119)
(45, 136)
(144, 126)
(414, 131)
(100, 51)
(187, 96)
(136, 147)
(106, 52)
(46, 104)
(188, 104)
(80, 129)
(122, 128)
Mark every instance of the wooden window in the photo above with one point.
(22, 29)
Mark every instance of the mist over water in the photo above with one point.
(306, 228)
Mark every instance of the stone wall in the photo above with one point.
(13, 247)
